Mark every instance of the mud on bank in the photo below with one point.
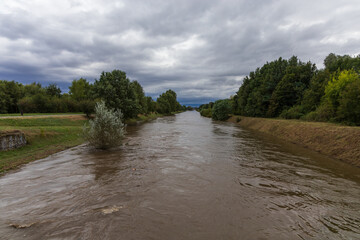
(339, 142)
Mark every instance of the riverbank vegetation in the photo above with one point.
(292, 89)
(45, 136)
(115, 88)
(107, 129)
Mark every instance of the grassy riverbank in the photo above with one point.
(333, 140)
(142, 118)
(38, 114)
(47, 135)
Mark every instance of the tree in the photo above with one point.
(106, 130)
(27, 105)
(221, 110)
(330, 62)
(10, 94)
(283, 97)
(33, 89)
(151, 105)
(53, 90)
(349, 103)
(141, 100)
(338, 83)
(167, 102)
(3, 98)
(114, 88)
(312, 95)
(80, 89)
(87, 107)
(339, 63)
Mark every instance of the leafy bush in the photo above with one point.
(107, 129)
(27, 105)
(87, 107)
(338, 83)
(206, 112)
(167, 102)
(349, 104)
(323, 113)
(341, 99)
(221, 110)
(295, 112)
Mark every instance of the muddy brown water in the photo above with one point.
(183, 177)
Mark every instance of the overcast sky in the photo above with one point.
(202, 49)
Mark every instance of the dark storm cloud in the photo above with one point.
(201, 49)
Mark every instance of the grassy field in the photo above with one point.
(45, 136)
(37, 114)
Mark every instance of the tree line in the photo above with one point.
(114, 88)
(293, 89)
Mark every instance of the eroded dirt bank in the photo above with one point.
(339, 142)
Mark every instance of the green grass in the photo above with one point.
(38, 122)
(45, 136)
(37, 114)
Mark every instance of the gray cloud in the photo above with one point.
(201, 49)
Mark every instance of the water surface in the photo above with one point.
(183, 177)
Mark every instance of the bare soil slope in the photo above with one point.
(339, 142)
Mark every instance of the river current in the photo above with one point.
(183, 177)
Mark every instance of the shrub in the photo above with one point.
(87, 107)
(221, 110)
(349, 108)
(323, 113)
(295, 112)
(338, 83)
(107, 129)
(206, 112)
(27, 105)
(71, 105)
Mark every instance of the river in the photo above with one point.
(183, 177)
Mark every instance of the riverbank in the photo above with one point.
(44, 135)
(142, 118)
(47, 135)
(336, 141)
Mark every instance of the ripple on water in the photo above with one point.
(182, 177)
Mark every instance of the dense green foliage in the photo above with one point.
(205, 109)
(107, 129)
(293, 89)
(80, 90)
(221, 110)
(16, 97)
(273, 88)
(114, 88)
(167, 103)
(206, 112)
